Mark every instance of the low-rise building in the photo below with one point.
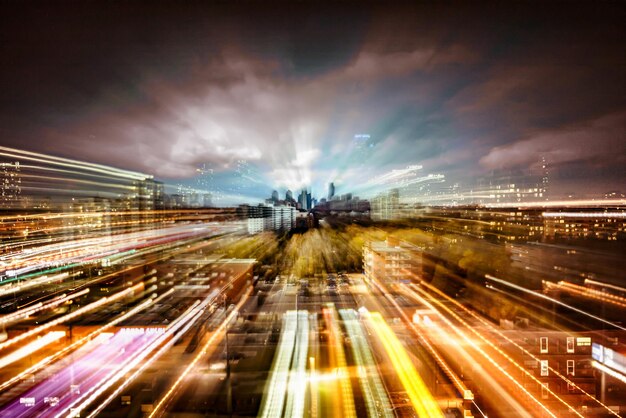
(391, 260)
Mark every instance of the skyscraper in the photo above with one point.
(305, 200)
(289, 196)
(331, 191)
(275, 196)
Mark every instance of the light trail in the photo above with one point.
(558, 302)
(91, 363)
(144, 365)
(76, 313)
(509, 340)
(422, 337)
(4, 290)
(375, 396)
(277, 385)
(589, 293)
(607, 285)
(560, 203)
(24, 313)
(338, 360)
(495, 348)
(296, 390)
(93, 249)
(611, 214)
(89, 337)
(205, 348)
(31, 347)
(66, 162)
(421, 398)
(172, 333)
(610, 372)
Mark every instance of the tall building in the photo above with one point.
(331, 191)
(305, 200)
(544, 178)
(289, 196)
(275, 196)
(10, 184)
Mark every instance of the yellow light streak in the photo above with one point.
(422, 400)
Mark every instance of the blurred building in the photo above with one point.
(391, 260)
(513, 186)
(585, 224)
(547, 354)
(10, 184)
(385, 206)
(331, 191)
(305, 201)
(289, 198)
(268, 218)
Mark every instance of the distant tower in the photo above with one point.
(275, 196)
(289, 196)
(331, 191)
(544, 178)
(305, 200)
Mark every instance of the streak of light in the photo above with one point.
(205, 348)
(31, 347)
(89, 337)
(24, 313)
(173, 332)
(313, 387)
(584, 214)
(376, 399)
(558, 302)
(498, 350)
(35, 282)
(463, 390)
(561, 203)
(589, 293)
(67, 317)
(338, 360)
(419, 395)
(277, 385)
(296, 390)
(608, 285)
(610, 372)
(493, 329)
(66, 162)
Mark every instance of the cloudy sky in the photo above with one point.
(463, 91)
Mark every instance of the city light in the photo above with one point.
(329, 210)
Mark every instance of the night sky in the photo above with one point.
(463, 90)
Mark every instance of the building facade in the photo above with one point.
(391, 261)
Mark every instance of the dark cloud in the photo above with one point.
(165, 87)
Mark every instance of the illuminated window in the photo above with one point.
(584, 341)
(544, 367)
(570, 344)
(570, 368)
(543, 345)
